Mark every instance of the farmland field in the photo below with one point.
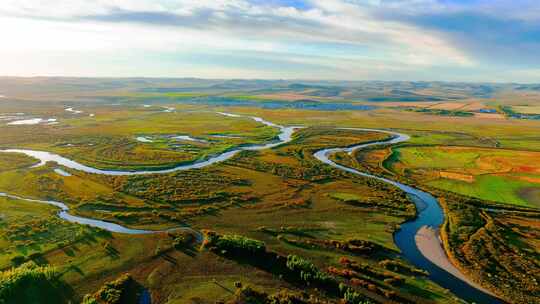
(527, 109)
(491, 174)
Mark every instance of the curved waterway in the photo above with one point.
(284, 136)
(429, 214)
(63, 214)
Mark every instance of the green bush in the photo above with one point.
(30, 283)
(307, 272)
(234, 244)
(350, 296)
(122, 290)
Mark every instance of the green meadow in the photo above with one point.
(499, 175)
(337, 226)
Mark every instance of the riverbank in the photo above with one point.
(431, 214)
(285, 136)
(429, 244)
(429, 211)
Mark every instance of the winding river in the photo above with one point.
(284, 136)
(429, 213)
(63, 214)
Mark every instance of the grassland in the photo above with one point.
(342, 224)
(15, 161)
(527, 109)
(109, 138)
(30, 283)
(490, 174)
(30, 230)
(495, 247)
(463, 131)
(259, 190)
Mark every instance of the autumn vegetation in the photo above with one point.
(280, 226)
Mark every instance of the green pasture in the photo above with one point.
(497, 188)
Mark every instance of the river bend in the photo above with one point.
(284, 136)
(429, 212)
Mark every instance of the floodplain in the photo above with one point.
(266, 225)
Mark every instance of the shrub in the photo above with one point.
(29, 282)
(236, 244)
(181, 240)
(122, 290)
(350, 296)
(307, 271)
(17, 260)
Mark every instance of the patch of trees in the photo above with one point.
(10, 161)
(508, 111)
(307, 142)
(355, 246)
(491, 248)
(388, 197)
(233, 244)
(181, 239)
(170, 197)
(292, 268)
(29, 282)
(398, 266)
(183, 187)
(178, 190)
(39, 233)
(442, 112)
(113, 152)
(376, 160)
(297, 231)
(249, 295)
(309, 169)
(307, 272)
(368, 278)
(393, 202)
(122, 290)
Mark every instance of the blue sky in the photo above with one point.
(452, 40)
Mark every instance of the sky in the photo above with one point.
(432, 40)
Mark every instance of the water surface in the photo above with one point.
(429, 213)
(284, 136)
(63, 214)
(31, 121)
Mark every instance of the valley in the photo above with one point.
(230, 200)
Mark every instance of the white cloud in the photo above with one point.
(71, 27)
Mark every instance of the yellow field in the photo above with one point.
(527, 109)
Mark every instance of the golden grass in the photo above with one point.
(283, 187)
(489, 116)
(527, 109)
(457, 176)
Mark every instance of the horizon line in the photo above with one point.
(268, 79)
